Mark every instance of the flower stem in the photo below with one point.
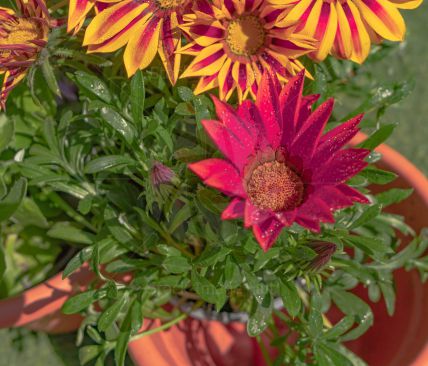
(265, 353)
(159, 329)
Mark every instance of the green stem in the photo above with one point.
(265, 353)
(159, 329)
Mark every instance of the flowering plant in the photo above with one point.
(249, 201)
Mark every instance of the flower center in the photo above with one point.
(170, 4)
(245, 35)
(275, 186)
(21, 31)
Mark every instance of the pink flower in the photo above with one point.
(279, 168)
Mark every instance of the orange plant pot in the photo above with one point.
(401, 340)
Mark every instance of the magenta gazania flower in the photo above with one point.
(279, 168)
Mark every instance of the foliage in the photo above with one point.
(75, 188)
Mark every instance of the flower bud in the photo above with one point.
(324, 251)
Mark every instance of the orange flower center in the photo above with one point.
(170, 4)
(245, 35)
(23, 31)
(274, 185)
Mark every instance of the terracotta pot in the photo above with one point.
(401, 340)
(398, 341)
(39, 308)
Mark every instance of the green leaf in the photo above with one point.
(207, 291)
(121, 347)
(371, 246)
(290, 297)
(80, 302)
(326, 355)
(110, 314)
(315, 323)
(119, 124)
(68, 232)
(94, 86)
(49, 76)
(137, 98)
(176, 264)
(259, 317)
(393, 195)
(185, 93)
(211, 255)
(2, 261)
(108, 162)
(378, 137)
(6, 131)
(10, 203)
(88, 353)
(369, 214)
(232, 274)
(378, 176)
(28, 213)
(340, 328)
(180, 217)
(77, 261)
(388, 292)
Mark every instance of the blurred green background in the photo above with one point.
(410, 60)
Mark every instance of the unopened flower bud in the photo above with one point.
(324, 250)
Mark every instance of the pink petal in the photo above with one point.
(344, 165)
(219, 174)
(333, 197)
(306, 109)
(334, 140)
(268, 104)
(308, 223)
(287, 217)
(253, 215)
(290, 101)
(352, 193)
(229, 144)
(235, 210)
(308, 137)
(314, 208)
(249, 113)
(267, 232)
(234, 123)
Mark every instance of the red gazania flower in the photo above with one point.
(346, 28)
(22, 37)
(234, 41)
(279, 168)
(146, 28)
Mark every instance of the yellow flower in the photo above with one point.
(22, 36)
(346, 28)
(145, 27)
(234, 41)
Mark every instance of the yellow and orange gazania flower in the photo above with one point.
(22, 36)
(79, 9)
(346, 28)
(234, 41)
(145, 27)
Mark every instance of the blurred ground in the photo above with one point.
(410, 138)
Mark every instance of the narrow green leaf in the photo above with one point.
(119, 124)
(393, 195)
(176, 265)
(80, 302)
(6, 131)
(137, 98)
(108, 162)
(378, 176)
(378, 137)
(68, 232)
(290, 297)
(88, 353)
(110, 314)
(10, 203)
(369, 214)
(93, 85)
(49, 76)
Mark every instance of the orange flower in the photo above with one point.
(235, 41)
(22, 36)
(346, 28)
(146, 28)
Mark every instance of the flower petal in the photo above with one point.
(383, 17)
(142, 46)
(207, 62)
(267, 232)
(352, 193)
(235, 210)
(267, 103)
(219, 174)
(78, 9)
(170, 41)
